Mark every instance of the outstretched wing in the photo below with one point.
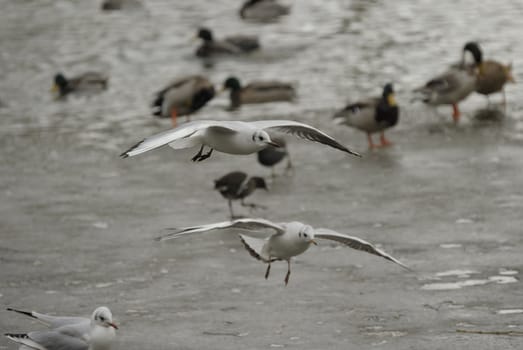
(52, 321)
(246, 224)
(184, 132)
(303, 131)
(355, 243)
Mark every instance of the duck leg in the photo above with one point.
(504, 101)
(455, 112)
(268, 270)
(369, 139)
(174, 117)
(384, 141)
(288, 272)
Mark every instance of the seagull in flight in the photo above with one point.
(233, 137)
(290, 239)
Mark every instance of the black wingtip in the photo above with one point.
(126, 153)
(28, 313)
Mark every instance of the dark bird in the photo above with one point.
(263, 10)
(452, 86)
(270, 156)
(372, 115)
(83, 83)
(231, 45)
(492, 75)
(237, 185)
(182, 97)
(111, 5)
(258, 92)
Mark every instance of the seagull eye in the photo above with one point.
(305, 235)
(260, 138)
(102, 318)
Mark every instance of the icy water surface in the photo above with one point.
(77, 222)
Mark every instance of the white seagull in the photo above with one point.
(68, 333)
(234, 137)
(291, 239)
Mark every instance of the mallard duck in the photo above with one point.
(183, 96)
(237, 185)
(86, 82)
(372, 115)
(492, 75)
(271, 155)
(232, 45)
(450, 87)
(258, 92)
(263, 10)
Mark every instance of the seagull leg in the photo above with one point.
(205, 156)
(288, 272)
(268, 270)
(455, 112)
(198, 155)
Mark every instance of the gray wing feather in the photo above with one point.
(355, 243)
(246, 224)
(303, 131)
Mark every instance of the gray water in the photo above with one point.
(77, 222)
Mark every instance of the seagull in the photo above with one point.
(290, 239)
(68, 333)
(238, 185)
(233, 137)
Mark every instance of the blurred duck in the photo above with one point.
(262, 10)
(232, 45)
(83, 83)
(372, 115)
(492, 75)
(111, 5)
(182, 97)
(271, 155)
(451, 87)
(237, 185)
(258, 92)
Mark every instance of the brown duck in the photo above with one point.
(258, 92)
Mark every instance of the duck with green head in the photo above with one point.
(372, 115)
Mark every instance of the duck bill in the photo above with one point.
(54, 88)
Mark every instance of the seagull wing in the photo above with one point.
(355, 243)
(56, 339)
(246, 224)
(303, 131)
(183, 133)
(52, 321)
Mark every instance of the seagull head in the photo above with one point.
(103, 317)
(306, 234)
(262, 138)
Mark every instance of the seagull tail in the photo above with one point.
(255, 247)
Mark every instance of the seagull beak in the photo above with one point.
(273, 144)
(313, 242)
(110, 324)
